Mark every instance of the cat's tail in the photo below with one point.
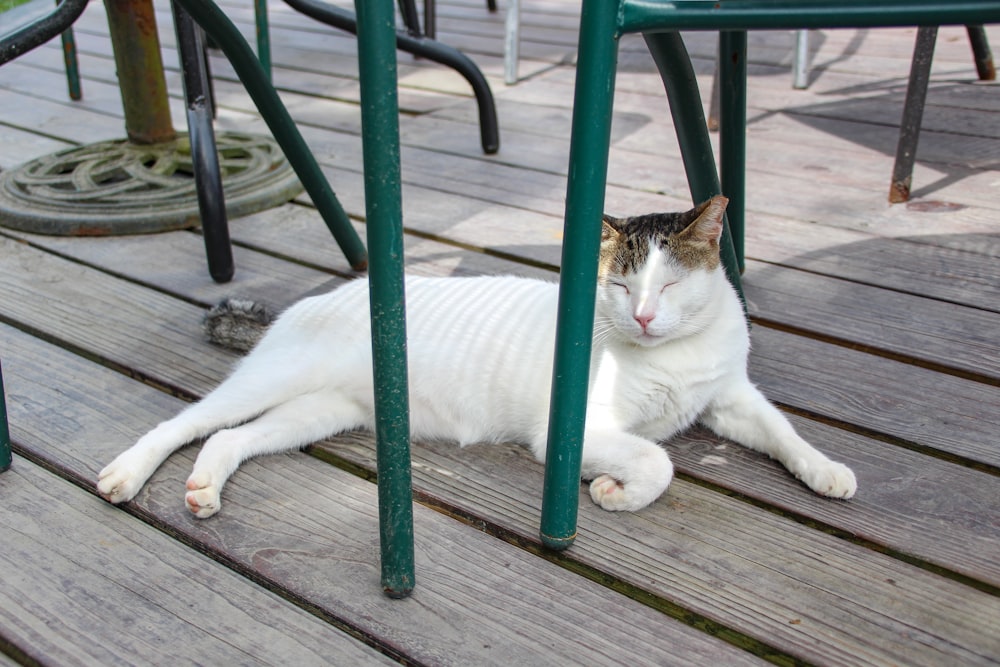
(237, 324)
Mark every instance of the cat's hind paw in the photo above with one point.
(203, 497)
(121, 479)
(832, 479)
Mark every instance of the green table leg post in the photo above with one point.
(5, 456)
(248, 69)
(672, 60)
(132, 24)
(383, 203)
(263, 36)
(732, 131)
(578, 277)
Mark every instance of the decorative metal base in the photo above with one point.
(117, 187)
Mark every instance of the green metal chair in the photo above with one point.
(602, 23)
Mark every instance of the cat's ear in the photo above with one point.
(610, 228)
(707, 227)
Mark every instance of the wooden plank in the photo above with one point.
(311, 531)
(935, 332)
(949, 414)
(741, 566)
(126, 593)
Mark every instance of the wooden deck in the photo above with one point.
(875, 327)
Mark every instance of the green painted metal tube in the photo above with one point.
(732, 132)
(588, 165)
(72, 65)
(263, 36)
(671, 58)
(5, 456)
(647, 15)
(383, 203)
(248, 69)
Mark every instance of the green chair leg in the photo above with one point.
(732, 133)
(5, 456)
(383, 203)
(263, 36)
(589, 145)
(248, 69)
(72, 65)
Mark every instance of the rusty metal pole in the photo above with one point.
(140, 71)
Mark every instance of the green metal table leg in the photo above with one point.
(383, 203)
(5, 457)
(248, 69)
(732, 131)
(672, 60)
(588, 161)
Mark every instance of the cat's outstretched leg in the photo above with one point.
(741, 413)
(289, 426)
(121, 479)
(627, 472)
(242, 396)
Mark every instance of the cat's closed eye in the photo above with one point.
(621, 285)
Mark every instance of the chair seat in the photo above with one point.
(651, 15)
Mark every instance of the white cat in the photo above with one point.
(670, 348)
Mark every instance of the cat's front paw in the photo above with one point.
(831, 479)
(121, 479)
(203, 497)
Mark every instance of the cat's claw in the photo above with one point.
(202, 497)
(833, 480)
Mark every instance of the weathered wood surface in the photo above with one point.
(123, 592)
(875, 325)
(310, 532)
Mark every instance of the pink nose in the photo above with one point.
(644, 320)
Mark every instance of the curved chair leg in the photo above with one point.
(248, 69)
(425, 48)
(204, 156)
(681, 86)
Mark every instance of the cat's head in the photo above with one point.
(658, 272)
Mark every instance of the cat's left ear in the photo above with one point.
(707, 227)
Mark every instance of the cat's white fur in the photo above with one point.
(670, 348)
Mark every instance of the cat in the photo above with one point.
(670, 348)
